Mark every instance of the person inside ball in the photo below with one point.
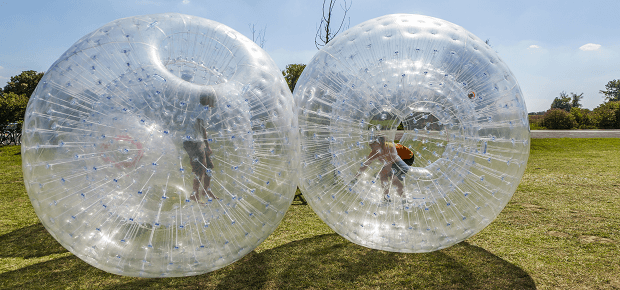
(394, 166)
(196, 145)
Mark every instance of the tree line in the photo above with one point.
(566, 112)
(15, 95)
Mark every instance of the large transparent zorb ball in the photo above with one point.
(432, 87)
(161, 145)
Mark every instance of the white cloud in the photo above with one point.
(533, 46)
(185, 1)
(590, 46)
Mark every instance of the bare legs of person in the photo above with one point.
(384, 175)
(202, 189)
(202, 182)
(398, 184)
(196, 189)
(201, 167)
(206, 182)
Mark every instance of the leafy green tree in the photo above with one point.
(292, 74)
(562, 102)
(576, 100)
(24, 83)
(612, 91)
(566, 102)
(12, 107)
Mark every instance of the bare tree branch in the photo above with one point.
(258, 38)
(325, 32)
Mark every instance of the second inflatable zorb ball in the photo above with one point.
(414, 133)
(161, 145)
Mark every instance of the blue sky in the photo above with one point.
(550, 46)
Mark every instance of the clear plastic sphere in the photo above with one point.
(432, 87)
(161, 145)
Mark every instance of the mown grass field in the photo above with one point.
(561, 230)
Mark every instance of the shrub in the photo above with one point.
(558, 119)
(607, 115)
(583, 118)
(536, 122)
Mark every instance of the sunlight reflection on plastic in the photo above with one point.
(161, 145)
(460, 112)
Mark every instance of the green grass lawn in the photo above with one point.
(560, 230)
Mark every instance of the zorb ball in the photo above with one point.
(161, 145)
(409, 89)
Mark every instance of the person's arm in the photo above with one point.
(373, 155)
(208, 148)
(203, 132)
(393, 153)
